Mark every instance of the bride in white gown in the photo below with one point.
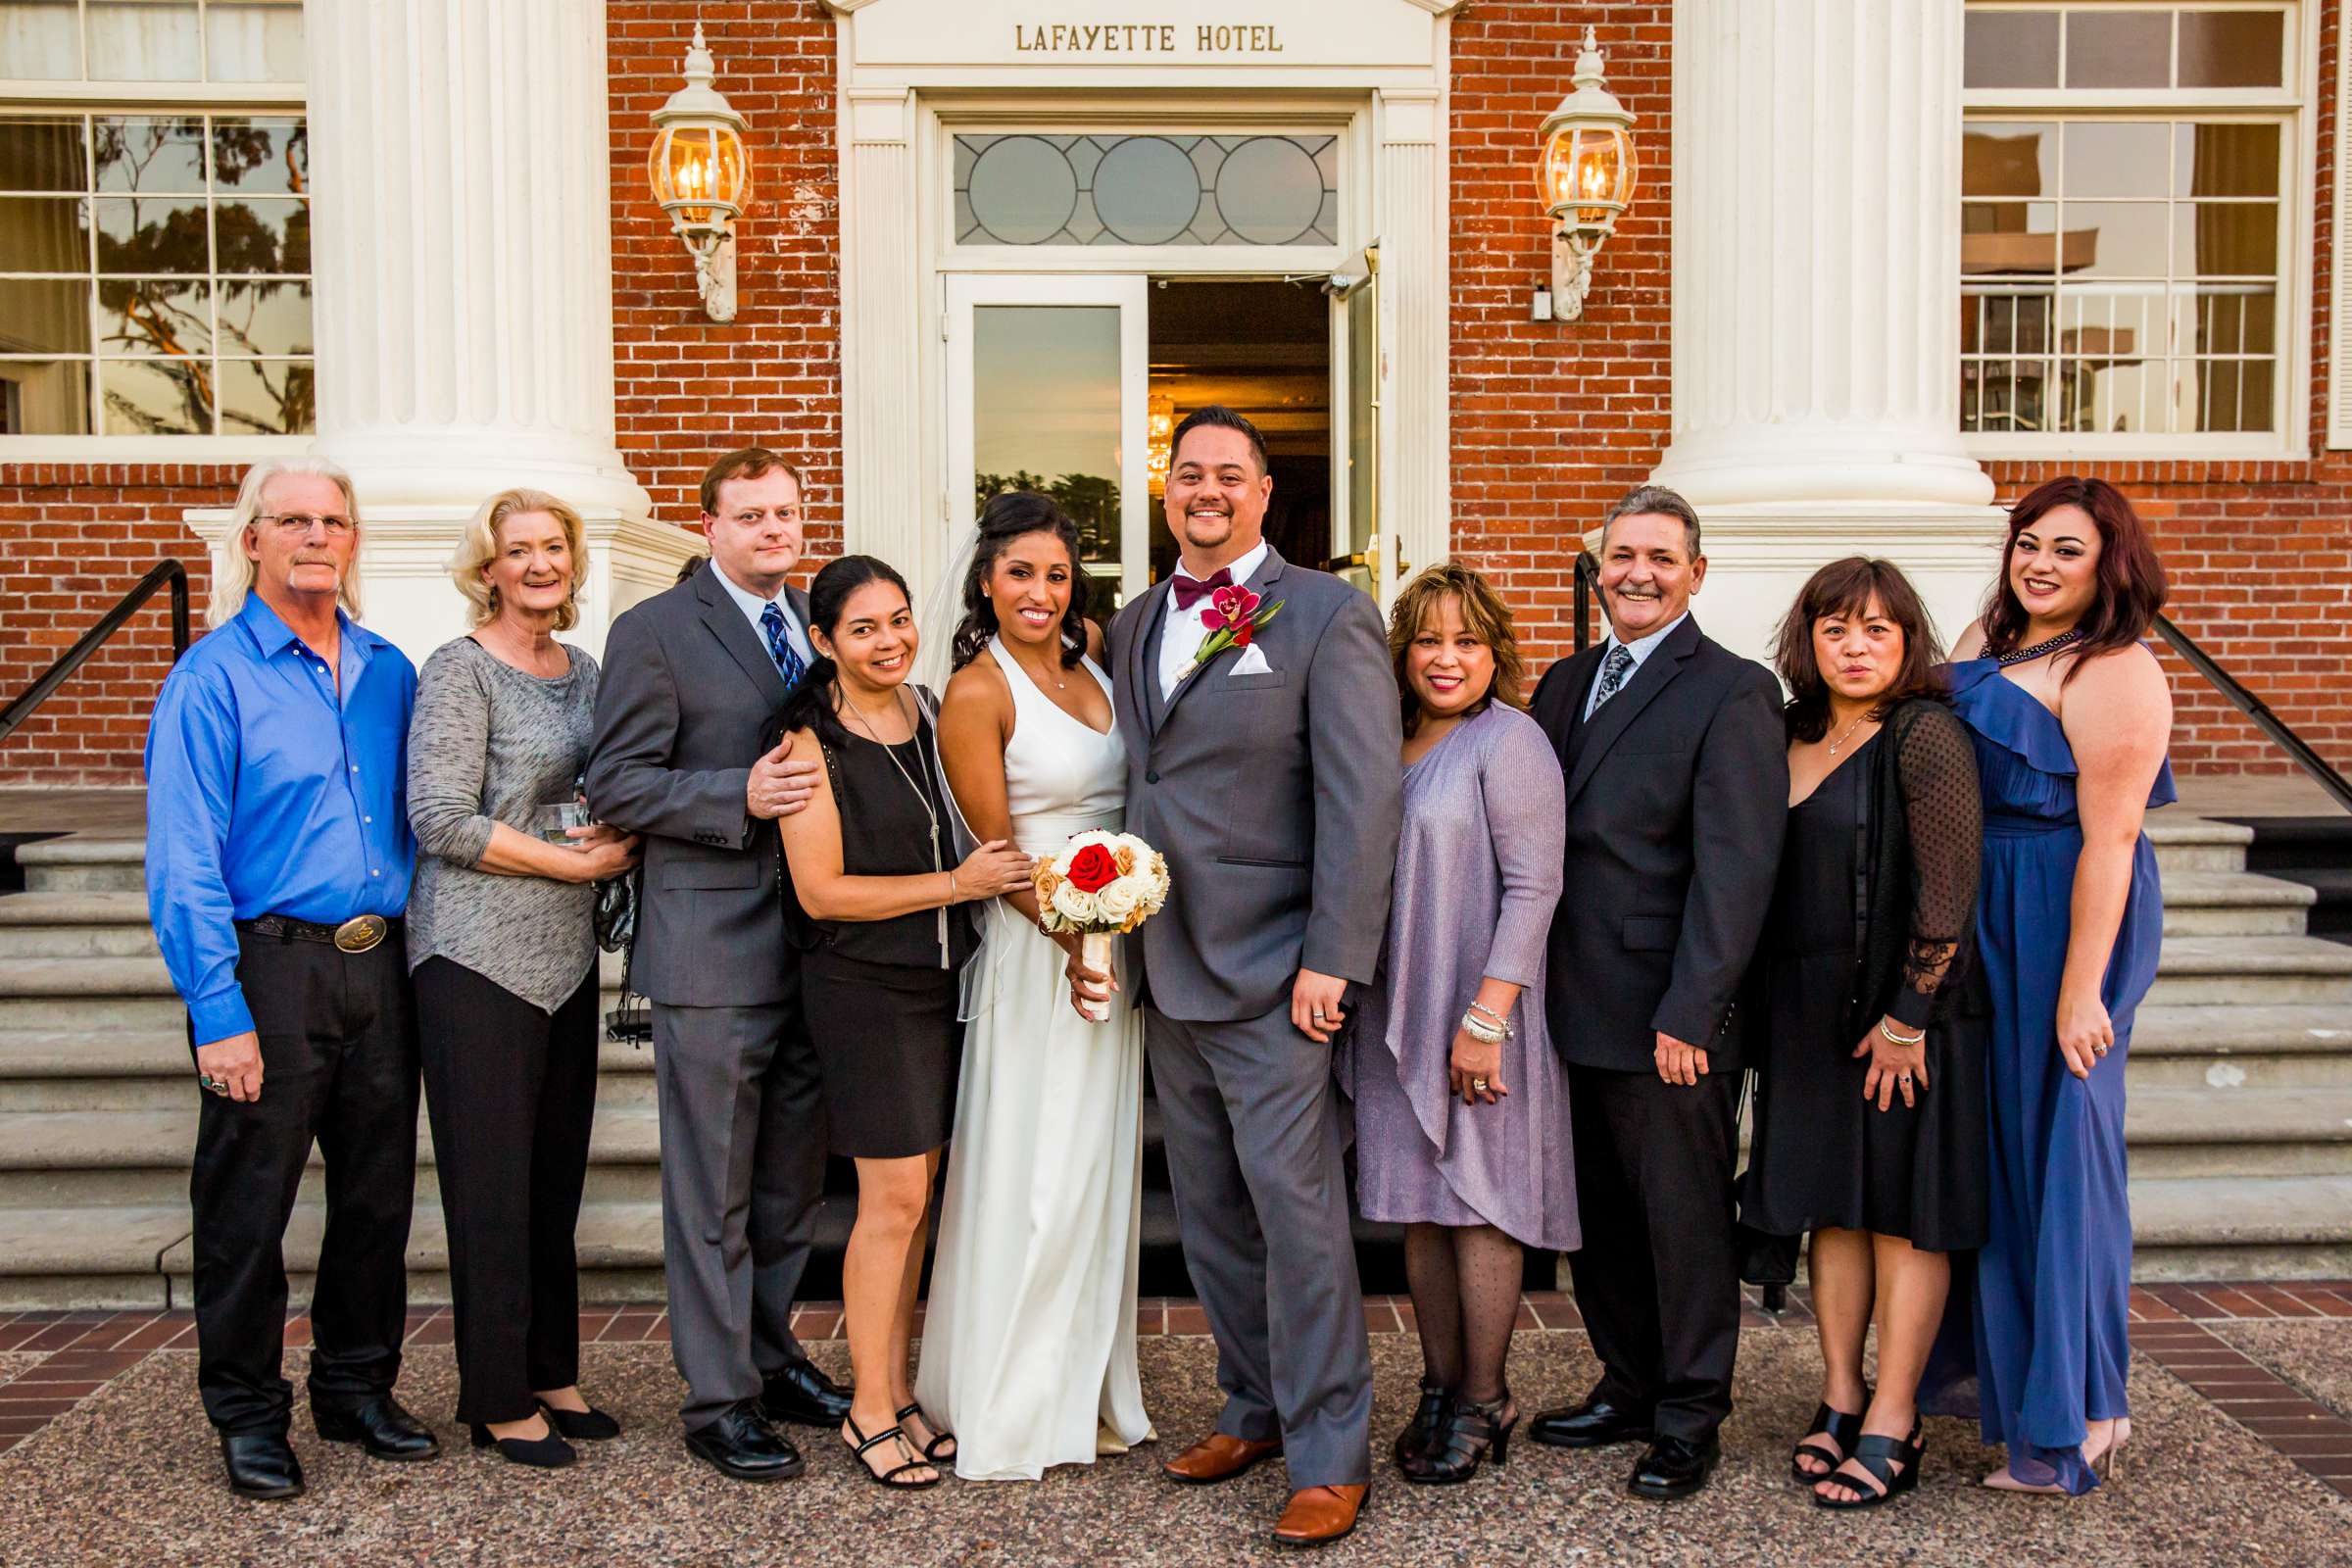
(1028, 1345)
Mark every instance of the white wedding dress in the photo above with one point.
(1028, 1350)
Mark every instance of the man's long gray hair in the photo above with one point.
(234, 580)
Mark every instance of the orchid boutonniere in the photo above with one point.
(1234, 617)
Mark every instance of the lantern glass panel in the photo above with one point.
(697, 164)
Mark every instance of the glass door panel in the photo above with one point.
(1046, 381)
(1361, 439)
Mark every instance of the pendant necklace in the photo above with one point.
(2049, 645)
(1847, 733)
(921, 795)
(1060, 684)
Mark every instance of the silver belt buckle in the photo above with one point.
(360, 932)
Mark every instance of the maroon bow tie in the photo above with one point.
(1191, 590)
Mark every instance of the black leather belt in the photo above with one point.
(358, 934)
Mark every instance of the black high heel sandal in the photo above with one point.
(1878, 1456)
(1842, 1430)
(1422, 1430)
(859, 1443)
(939, 1435)
(550, 1452)
(1465, 1439)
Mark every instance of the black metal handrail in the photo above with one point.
(171, 572)
(2255, 709)
(1588, 591)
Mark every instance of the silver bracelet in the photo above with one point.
(1492, 1016)
(1482, 1031)
(1901, 1040)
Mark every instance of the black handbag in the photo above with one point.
(1764, 1258)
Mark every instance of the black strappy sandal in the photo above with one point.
(889, 1478)
(939, 1435)
(1842, 1430)
(1879, 1456)
(1422, 1431)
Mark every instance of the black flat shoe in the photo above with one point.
(741, 1445)
(550, 1452)
(262, 1464)
(1422, 1430)
(581, 1426)
(1674, 1468)
(1840, 1429)
(801, 1393)
(1878, 1456)
(1594, 1424)
(380, 1426)
(1469, 1434)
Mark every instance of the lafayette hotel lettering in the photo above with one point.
(1142, 38)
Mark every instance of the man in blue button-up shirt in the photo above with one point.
(277, 867)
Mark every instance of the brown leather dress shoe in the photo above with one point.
(1319, 1515)
(1218, 1457)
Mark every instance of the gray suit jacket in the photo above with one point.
(1277, 798)
(688, 700)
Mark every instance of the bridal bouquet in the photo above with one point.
(1100, 885)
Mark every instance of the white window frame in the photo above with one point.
(2293, 107)
(91, 97)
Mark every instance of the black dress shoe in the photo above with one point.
(379, 1425)
(1675, 1467)
(740, 1444)
(1594, 1424)
(261, 1464)
(581, 1426)
(801, 1393)
(550, 1452)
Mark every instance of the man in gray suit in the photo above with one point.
(1268, 776)
(693, 678)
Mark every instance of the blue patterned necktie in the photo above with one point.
(779, 646)
(1613, 670)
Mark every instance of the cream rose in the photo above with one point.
(1072, 904)
(1119, 901)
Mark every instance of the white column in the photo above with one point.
(1817, 302)
(1416, 478)
(462, 236)
(889, 508)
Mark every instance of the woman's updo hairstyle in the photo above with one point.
(1009, 516)
(810, 704)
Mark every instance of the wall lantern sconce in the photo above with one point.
(700, 175)
(1586, 177)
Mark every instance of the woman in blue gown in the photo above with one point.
(2070, 716)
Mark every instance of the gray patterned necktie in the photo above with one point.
(1613, 670)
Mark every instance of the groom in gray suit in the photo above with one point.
(692, 678)
(1268, 776)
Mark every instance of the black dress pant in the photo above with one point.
(1657, 1279)
(338, 1043)
(511, 1092)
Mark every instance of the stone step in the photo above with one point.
(2242, 1047)
(53, 1259)
(98, 925)
(2234, 903)
(2196, 843)
(2240, 1131)
(2233, 972)
(85, 863)
(2241, 1227)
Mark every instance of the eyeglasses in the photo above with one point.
(295, 524)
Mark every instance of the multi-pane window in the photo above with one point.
(155, 252)
(2128, 225)
(1040, 190)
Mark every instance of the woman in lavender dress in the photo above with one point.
(1461, 1113)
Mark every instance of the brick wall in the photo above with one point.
(1550, 420)
(72, 541)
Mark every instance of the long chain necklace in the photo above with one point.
(921, 795)
(2049, 645)
(1847, 733)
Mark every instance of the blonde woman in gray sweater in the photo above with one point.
(501, 944)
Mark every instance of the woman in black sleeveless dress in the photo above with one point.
(874, 869)
(1876, 1147)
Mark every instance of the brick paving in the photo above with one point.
(83, 1351)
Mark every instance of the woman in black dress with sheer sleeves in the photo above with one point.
(1870, 1110)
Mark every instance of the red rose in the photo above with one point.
(1092, 870)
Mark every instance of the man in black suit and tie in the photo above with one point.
(1678, 795)
(692, 678)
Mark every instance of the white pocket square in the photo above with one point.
(1253, 662)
